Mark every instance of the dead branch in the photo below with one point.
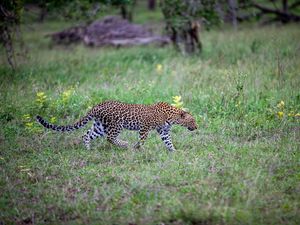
(284, 16)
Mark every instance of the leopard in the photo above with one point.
(111, 117)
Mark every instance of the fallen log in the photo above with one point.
(110, 31)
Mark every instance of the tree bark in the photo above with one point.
(285, 10)
(151, 4)
(7, 41)
(219, 9)
(233, 12)
(43, 12)
(285, 6)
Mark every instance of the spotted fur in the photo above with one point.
(111, 117)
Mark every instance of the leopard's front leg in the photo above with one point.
(164, 132)
(112, 137)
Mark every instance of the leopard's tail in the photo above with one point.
(81, 123)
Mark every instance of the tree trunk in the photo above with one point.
(191, 38)
(233, 12)
(7, 42)
(185, 34)
(285, 6)
(285, 10)
(219, 9)
(127, 10)
(43, 14)
(124, 12)
(151, 4)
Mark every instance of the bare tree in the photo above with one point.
(183, 19)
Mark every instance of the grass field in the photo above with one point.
(240, 167)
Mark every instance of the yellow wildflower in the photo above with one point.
(178, 103)
(177, 98)
(238, 104)
(280, 104)
(66, 95)
(291, 114)
(158, 68)
(297, 115)
(29, 124)
(26, 116)
(280, 114)
(40, 94)
(41, 97)
(52, 119)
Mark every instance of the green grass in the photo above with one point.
(240, 167)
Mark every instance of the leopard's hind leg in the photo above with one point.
(112, 137)
(97, 130)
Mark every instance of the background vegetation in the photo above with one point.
(240, 167)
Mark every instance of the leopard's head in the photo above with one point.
(187, 120)
(177, 116)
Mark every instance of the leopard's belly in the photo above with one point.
(131, 125)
